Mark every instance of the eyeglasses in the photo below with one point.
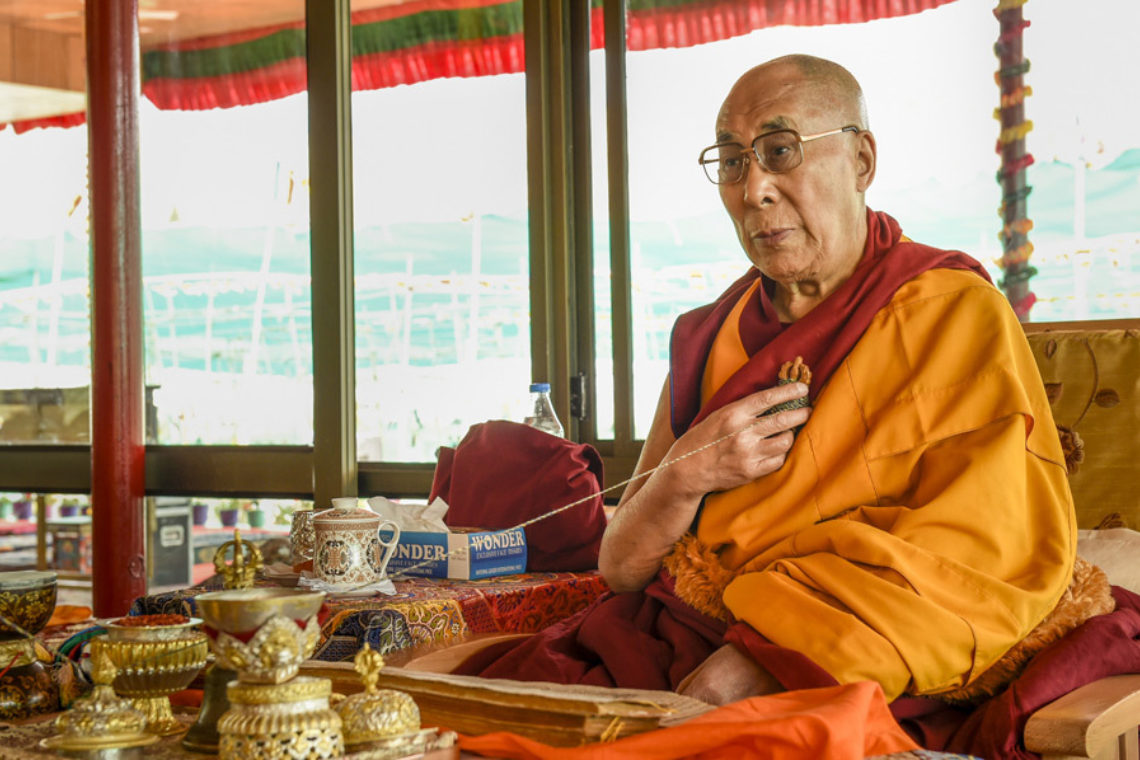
(778, 152)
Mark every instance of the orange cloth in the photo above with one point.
(64, 614)
(833, 723)
(922, 523)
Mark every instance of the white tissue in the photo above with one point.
(412, 517)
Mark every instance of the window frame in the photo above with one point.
(557, 40)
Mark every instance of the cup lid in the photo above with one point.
(22, 580)
(341, 516)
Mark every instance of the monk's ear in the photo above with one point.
(865, 161)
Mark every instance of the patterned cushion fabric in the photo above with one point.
(1092, 377)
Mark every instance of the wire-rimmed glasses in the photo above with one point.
(778, 151)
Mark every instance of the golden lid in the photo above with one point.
(376, 714)
(101, 720)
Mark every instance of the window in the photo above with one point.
(225, 237)
(937, 164)
(442, 273)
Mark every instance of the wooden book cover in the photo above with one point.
(555, 714)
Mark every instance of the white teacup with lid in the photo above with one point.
(348, 549)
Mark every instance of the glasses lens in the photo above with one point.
(779, 151)
(724, 164)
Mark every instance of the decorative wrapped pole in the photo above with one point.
(1014, 236)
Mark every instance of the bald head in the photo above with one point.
(832, 87)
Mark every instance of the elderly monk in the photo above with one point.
(912, 527)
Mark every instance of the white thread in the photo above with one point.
(668, 463)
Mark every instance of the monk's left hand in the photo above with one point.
(728, 675)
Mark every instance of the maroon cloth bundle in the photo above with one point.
(503, 473)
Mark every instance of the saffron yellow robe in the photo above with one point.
(922, 523)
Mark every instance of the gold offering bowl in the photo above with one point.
(262, 633)
(153, 662)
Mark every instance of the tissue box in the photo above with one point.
(461, 554)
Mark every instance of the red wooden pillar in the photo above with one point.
(117, 445)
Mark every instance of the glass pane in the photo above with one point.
(1086, 179)
(225, 217)
(440, 186)
(603, 298)
(684, 247)
(45, 359)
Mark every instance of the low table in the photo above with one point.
(425, 611)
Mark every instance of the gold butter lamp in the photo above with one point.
(100, 721)
(264, 634)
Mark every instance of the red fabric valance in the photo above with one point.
(430, 39)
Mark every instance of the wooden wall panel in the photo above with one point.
(43, 58)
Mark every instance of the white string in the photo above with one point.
(668, 463)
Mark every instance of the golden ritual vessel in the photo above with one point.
(101, 721)
(153, 662)
(377, 717)
(246, 564)
(264, 634)
(247, 561)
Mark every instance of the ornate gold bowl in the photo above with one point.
(27, 598)
(153, 662)
(262, 633)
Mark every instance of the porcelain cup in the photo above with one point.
(349, 549)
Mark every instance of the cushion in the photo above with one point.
(1116, 551)
(1092, 378)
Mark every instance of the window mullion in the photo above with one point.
(329, 53)
(620, 282)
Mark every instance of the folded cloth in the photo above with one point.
(503, 473)
(68, 613)
(833, 723)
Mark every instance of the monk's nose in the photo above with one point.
(759, 185)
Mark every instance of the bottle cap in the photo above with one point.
(540, 387)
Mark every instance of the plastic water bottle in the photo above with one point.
(542, 414)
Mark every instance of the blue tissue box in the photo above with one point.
(460, 554)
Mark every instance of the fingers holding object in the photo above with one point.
(756, 404)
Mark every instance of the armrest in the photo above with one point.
(1098, 720)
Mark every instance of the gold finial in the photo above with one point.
(368, 663)
(241, 572)
(103, 670)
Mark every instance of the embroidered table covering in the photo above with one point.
(424, 610)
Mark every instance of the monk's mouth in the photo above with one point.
(772, 237)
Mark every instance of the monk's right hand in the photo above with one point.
(738, 443)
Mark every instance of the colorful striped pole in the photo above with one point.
(1014, 236)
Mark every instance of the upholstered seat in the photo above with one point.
(1092, 375)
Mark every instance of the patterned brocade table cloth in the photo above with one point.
(424, 610)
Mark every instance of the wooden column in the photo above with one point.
(117, 445)
(329, 57)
